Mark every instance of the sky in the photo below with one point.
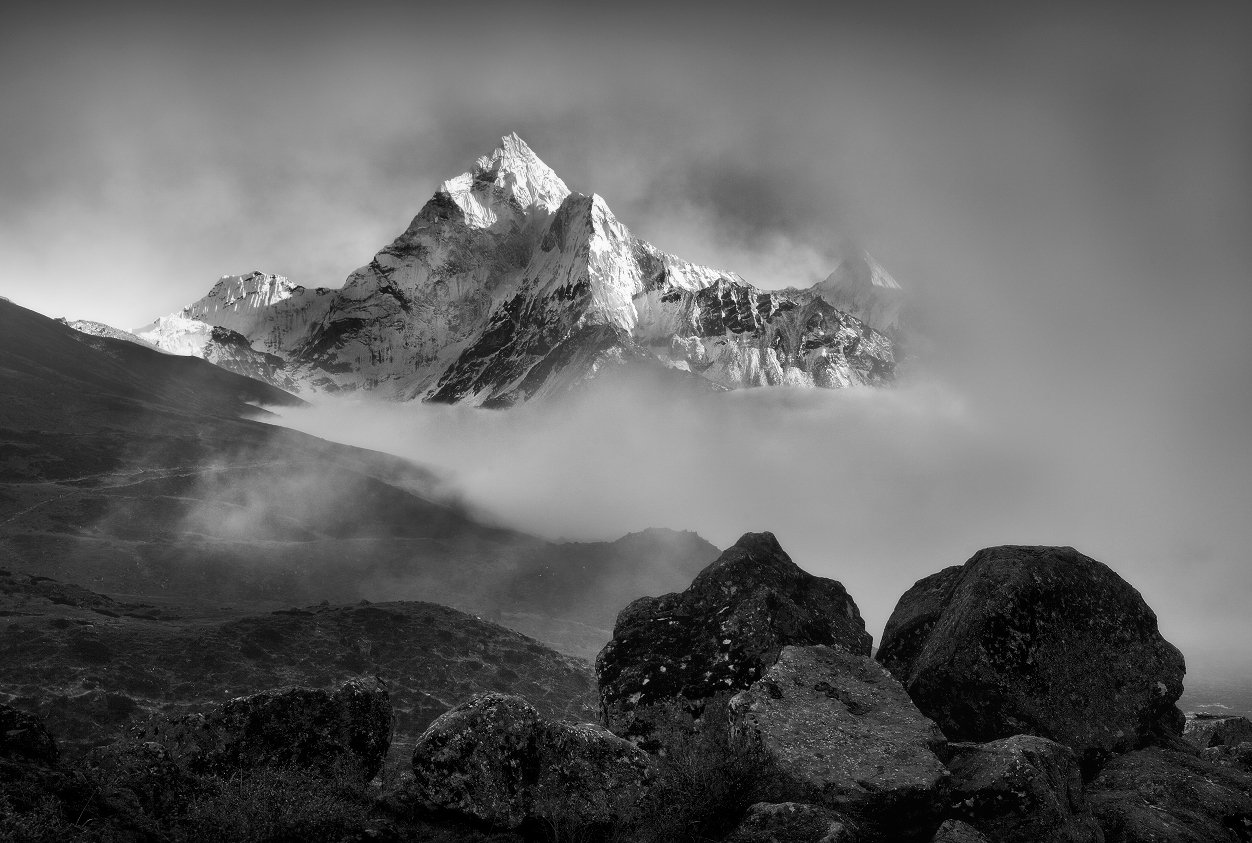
(1065, 191)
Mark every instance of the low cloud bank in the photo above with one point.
(876, 488)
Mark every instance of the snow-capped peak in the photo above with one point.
(506, 286)
(511, 172)
(235, 299)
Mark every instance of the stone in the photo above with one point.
(719, 636)
(1162, 795)
(495, 760)
(1023, 788)
(302, 727)
(23, 737)
(844, 734)
(955, 831)
(794, 822)
(1037, 640)
(1224, 755)
(1207, 730)
(913, 618)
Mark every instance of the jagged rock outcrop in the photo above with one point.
(843, 733)
(1163, 795)
(1225, 741)
(495, 760)
(1207, 730)
(1037, 640)
(508, 287)
(304, 727)
(720, 635)
(1024, 788)
(794, 822)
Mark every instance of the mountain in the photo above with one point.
(154, 476)
(507, 287)
(860, 286)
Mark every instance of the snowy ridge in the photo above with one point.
(506, 287)
(99, 329)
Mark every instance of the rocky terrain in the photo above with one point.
(776, 726)
(508, 287)
(91, 666)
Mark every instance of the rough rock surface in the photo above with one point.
(1038, 640)
(23, 737)
(297, 726)
(495, 760)
(844, 734)
(91, 666)
(1239, 756)
(794, 822)
(955, 831)
(1162, 795)
(1206, 730)
(1023, 788)
(720, 635)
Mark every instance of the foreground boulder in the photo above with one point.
(719, 636)
(1162, 795)
(1037, 640)
(844, 734)
(302, 727)
(1023, 788)
(794, 822)
(495, 760)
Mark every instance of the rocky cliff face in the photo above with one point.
(507, 286)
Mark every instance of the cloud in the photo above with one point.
(874, 488)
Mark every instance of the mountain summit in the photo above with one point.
(507, 286)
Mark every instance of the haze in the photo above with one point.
(1066, 191)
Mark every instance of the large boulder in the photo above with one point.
(1037, 640)
(1024, 788)
(844, 734)
(719, 636)
(495, 760)
(794, 822)
(1207, 730)
(1163, 795)
(302, 727)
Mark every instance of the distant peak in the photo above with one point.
(860, 269)
(861, 286)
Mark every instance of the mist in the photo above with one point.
(874, 488)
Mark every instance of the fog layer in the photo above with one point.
(874, 488)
